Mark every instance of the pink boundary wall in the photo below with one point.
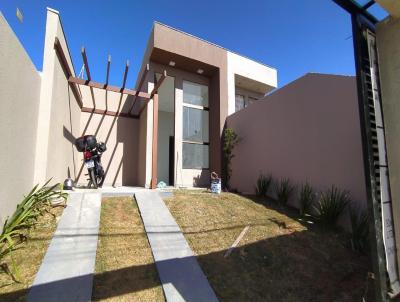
(308, 130)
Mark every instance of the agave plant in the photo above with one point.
(330, 205)
(360, 229)
(263, 184)
(26, 215)
(307, 199)
(283, 190)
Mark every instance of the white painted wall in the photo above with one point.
(259, 76)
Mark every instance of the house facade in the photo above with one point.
(205, 83)
(46, 110)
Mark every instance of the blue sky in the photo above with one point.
(293, 36)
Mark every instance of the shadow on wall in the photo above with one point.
(121, 137)
(202, 179)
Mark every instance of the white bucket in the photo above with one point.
(216, 186)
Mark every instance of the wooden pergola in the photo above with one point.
(74, 83)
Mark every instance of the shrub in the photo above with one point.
(360, 229)
(330, 205)
(230, 141)
(25, 217)
(263, 184)
(306, 199)
(283, 190)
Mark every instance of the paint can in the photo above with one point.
(215, 183)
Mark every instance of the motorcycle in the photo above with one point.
(92, 151)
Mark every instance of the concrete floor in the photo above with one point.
(110, 191)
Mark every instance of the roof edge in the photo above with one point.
(211, 43)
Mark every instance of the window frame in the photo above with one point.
(244, 101)
(199, 107)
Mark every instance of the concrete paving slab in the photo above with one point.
(66, 273)
(180, 274)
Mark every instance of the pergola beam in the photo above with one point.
(368, 4)
(139, 87)
(67, 70)
(107, 76)
(125, 75)
(85, 63)
(158, 84)
(154, 91)
(354, 8)
(107, 87)
(110, 113)
(108, 68)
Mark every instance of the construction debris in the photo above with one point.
(234, 245)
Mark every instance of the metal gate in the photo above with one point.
(375, 159)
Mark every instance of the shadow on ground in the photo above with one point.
(285, 268)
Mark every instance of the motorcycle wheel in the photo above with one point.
(100, 180)
(93, 178)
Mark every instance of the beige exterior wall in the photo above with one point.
(19, 102)
(59, 114)
(120, 161)
(65, 114)
(308, 130)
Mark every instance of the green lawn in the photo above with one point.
(125, 269)
(278, 259)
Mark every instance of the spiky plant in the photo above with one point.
(306, 199)
(25, 216)
(283, 190)
(360, 229)
(263, 184)
(331, 204)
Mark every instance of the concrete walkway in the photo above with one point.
(66, 273)
(180, 274)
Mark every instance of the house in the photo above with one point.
(171, 134)
(200, 91)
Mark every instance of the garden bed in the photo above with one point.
(278, 259)
(125, 269)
